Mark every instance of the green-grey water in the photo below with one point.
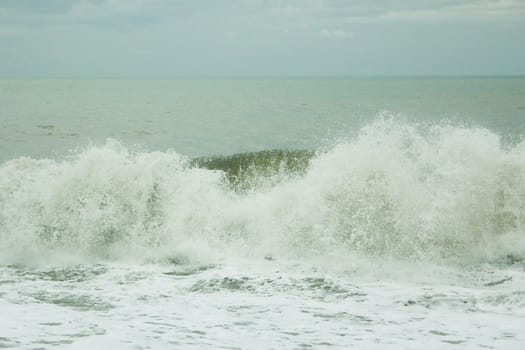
(225, 116)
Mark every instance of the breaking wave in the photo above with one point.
(437, 193)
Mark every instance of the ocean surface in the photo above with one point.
(300, 213)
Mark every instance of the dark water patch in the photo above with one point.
(324, 285)
(77, 302)
(73, 274)
(316, 288)
(164, 324)
(511, 259)
(247, 170)
(189, 270)
(495, 283)
(46, 126)
(323, 343)
(7, 281)
(8, 343)
(453, 342)
(226, 283)
(429, 301)
(237, 308)
(345, 315)
(54, 342)
(132, 277)
(184, 266)
(291, 333)
(52, 324)
(516, 298)
(436, 332)
(244, 323)
(269, 257)
(178, 260)
(324, 288)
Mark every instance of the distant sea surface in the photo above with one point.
(222, 116)
(251, 213)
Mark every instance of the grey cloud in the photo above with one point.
(436, 10)
(229, 37)
(56, 6)
(146, 11)
(407, 9)
(44, 6)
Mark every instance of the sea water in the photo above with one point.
(370, 213)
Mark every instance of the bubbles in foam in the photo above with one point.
(396, 189)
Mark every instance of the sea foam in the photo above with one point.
(436, 193)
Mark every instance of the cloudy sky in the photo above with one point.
(261, 37)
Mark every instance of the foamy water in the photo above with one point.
(445, 193)
(437, 214)
(398, 235)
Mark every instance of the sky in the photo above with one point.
(165, 38)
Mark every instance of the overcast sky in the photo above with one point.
(261, 37)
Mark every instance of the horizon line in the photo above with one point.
(276, 76)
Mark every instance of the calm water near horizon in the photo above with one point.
(220, 116)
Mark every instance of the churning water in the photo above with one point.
(350, 227)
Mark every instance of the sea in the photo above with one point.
(262, 213)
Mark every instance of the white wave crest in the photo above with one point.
(396, 189)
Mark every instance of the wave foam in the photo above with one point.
(394, 190)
